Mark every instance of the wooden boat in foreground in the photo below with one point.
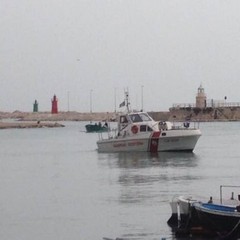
(205, 218)
(181, 207)
(222, 219)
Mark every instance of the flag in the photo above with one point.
(122, 104)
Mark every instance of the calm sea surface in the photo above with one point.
(54, 184)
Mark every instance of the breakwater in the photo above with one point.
(174, 114)
(7, 125)
(61, 116)
(207, 114)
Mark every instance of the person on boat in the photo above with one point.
(238, 208)
(123, 119)
(186, 124)
(210, 200)
(106, 124)
(99, 124)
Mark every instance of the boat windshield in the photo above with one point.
(140, 117)
(145, 117)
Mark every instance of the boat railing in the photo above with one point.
(228, 186)
(196, 124)
(186, 125)
(111, 133)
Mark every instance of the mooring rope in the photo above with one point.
(229, 233)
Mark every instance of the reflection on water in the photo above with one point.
(163, 159)
(144, 178)
(147, 159)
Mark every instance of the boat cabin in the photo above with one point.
(142, 122)
(140, 119)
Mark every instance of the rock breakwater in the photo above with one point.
(7, 125)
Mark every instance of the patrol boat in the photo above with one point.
(138, 132)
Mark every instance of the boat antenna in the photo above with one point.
(127, 100)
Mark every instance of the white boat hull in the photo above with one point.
(172, 140)
(181, 210)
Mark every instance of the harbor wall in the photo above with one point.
(174, 114)
(205, 114)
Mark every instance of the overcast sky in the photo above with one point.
(166, 48)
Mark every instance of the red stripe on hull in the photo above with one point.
(153, 145)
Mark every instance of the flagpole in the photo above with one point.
(126, 95)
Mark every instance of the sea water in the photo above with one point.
(55, 185)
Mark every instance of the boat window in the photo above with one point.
(149, 129)
(145, 117)
(164, 134)
(143, 128)
(135, 118)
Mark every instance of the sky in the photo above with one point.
(88, 52)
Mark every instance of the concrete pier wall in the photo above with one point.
(174, 114)
(206, 114)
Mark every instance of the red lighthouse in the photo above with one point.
(54, 104)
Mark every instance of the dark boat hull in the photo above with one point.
(223, 220)
(95, 128)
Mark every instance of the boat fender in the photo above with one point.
(134, 129)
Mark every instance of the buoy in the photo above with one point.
(134, 129)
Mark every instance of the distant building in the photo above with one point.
(54, 105)
(201, 101)
(35, 106)
(201, 98)
(205, 109)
